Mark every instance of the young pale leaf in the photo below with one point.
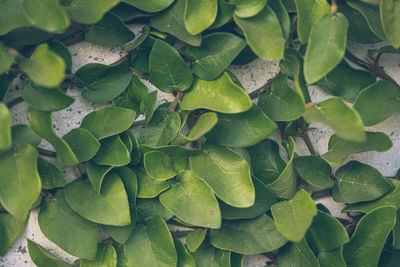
(195, 238)
(221, 95)
(24, 134)
(199, 15)
(326, 46)
(203, 125)
(44, 67)
(159, 165)
(83, 143)
(326, 233)
(315, 171)
(172, 21)
(217, 51)
(192, 201)
(358, 182)
(50, 175)
(61, 225)
(150, 5)
(364, 249)
(106, 257)
(112, 152)
(263, 34)
(5, 130)
(333, 258)
(340, 150)
(184, 258)
(45, 99)
(109, 31)
(47, 15)
(297, 254)
(151, 245)
(243, 129)
(389, 14)
(102, 83)
(149, 187)
(309, 12)
(248, 8)
(10, 229)
(338, 116)
(12, 16)
(41, 257)
(207, 255)
(6, 58)
(110, 207)
(168, 71)
(281, 102)
(89, 11)
(248, 236)
(378, 102)
(102, 123)
(293, 217)
(227, 173)
(147, 207)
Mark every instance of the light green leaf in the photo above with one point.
(41, 257)
(151, 245)
(11, 16)
(89, 11)
(63, 52)
(326, 46)
(106, 257)
(150, 5)
(10, 229)
(44, 67)
(338, 116)
(184, 258)
(221, 95)
(207, 255)
(195, 238)
(50, 175)
(314, 170)
(168, 71)
(358, 182)
(159, 165)
(110, 207)
(248, 8)
(61, 225)
(263, 34)
(227, 173)
(199, 15)
(192, 201)
(6, 58)
(102, 123)
(296, 255)
(83, 143)
(112, 152)
(333, 258)
(248, 236)
(24, 134)
(5, 130)
(147, 207)
(149, 187)
(364, 249)
(203, 125)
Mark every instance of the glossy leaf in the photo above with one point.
(184, 258)
(5, 131)
(133, 95)
(41, 257)
(203, 125)
(149, 187)
(159, 165)
(50, 175)
(10, 229)
(96, 174)
(199, 15)
(333, 258)
(83, 143)
(106, 257)
(297, 254)
(390, 21)
(221, 95)
(248, 8)
(315, 171)
(207, 255)
(89, 11)
(24, 134)
(150, 5)
(195, 238)
(227, 173)
(112, 152)
(224, 15)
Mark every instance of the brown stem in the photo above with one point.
(306, 138)
(177, 99)
(47, 153)
(14, 102)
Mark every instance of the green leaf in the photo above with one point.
(297, 254)
(221, 95)
(281, 102)
(102, 83)
(147, 207)
(102, 123)
(11, 16)
(46, 15)
(26, 36)
(314, 170)
(50, 176)
(195, 238)
(151, 245)
(112, 152)
(106, 257)
(5, 130)
(216, 53)
(208, 255)
(340, 150)
(45, 99)
(6, 58)
(10, 229)
(44, 67)
(133, 95)
(63, 52)
(264, 199)
(168, 71)
(293, 217)
(109, 31)
(147, 105)
(149, 187)
(184, 258)
(159, 165)
(172, 21)
(283, 16)
(224, 14)
(96, 174)
(326, 46)
(5, 82)
(89, 11)
(248, 236)
(358, 182)
(346, 82)
(24, 134)
(263, 34)
(309, 12)
(364, 249)
(333, 258)
(243, 129)
(20, 184)
(150, 5)
(83, 143)
(227, 173)
(199, 15)
(41, 257)
(338, 116)
(378, 102)
(192, 201)
(248, 8)
(203, 125)
(110, 207)
(61, 225)
(326, 233)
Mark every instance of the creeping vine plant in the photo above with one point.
(203, 161)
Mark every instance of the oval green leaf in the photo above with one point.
(199, 15)
(389, 10)
(112, 152)
(5, 130)
(315, 171)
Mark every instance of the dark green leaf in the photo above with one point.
(24, 134)
(83, 143)
(96, 174)
(10, 229)
(150, 5)
(195, 238)
(207, 255)
(134, 95)
(112, 152)
(147, 207)
(203, 125)
(224, 15)
(41, 257)
(89, 11)
(50, 175)
(315, 171)
(333, 258)
(297, 255)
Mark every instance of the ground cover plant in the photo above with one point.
(204, 160)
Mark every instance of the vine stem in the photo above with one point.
(14, 102)
(306, 138)
(177, 99)
(47, 153)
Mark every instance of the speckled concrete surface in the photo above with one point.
(252, 76)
